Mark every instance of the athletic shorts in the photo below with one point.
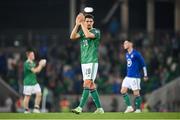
(131, 83)
(89, 71)
(29, 90)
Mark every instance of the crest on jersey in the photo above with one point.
(129, 62)
(96, 31)
(132, 56)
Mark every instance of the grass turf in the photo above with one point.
(90, 116)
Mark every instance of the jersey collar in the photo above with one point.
(131, 51)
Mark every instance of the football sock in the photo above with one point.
(27, 109)
(96, 99)
(126, 99)
(36, 106)
(84, 97)
(138, 102)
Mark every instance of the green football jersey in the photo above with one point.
(29, 76)
(89, 47)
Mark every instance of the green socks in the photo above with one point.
(138, 102)
(126, 99)
(84, 97)
(96, 99)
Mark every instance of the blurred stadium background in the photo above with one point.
(153, 25)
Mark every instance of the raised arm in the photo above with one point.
(87, 33)
(84, 22)
(37, 69)
(42, 63)
(74, 34)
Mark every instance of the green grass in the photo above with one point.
(84, 116)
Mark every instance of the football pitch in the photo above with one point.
(91, 116)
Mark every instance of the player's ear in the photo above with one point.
(131, 44)
(93, 22)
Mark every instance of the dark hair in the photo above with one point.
(29, 51)
(127, 40)
(89, 16)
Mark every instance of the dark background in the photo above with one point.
(55, 13)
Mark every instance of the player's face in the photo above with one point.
(31, 56)
(126, 45)
(89, 23)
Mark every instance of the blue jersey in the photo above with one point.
(135, 63)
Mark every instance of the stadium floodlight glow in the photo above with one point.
(88, 9)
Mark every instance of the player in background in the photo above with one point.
(31, 85)
(89, 39)
(135, 63)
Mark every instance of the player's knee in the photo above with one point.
(39, 94)
(87, 84)
(136, 93)
(123, 91)
(92, 86)
(26, 98)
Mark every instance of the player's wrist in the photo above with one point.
(145, 71)
(77, 24)
(82, 23)
(42, 63)
(40, 66)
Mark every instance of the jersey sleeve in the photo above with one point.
(96, 33)
(141, 59)
(80, 32)
(142, 63)
(28, 66)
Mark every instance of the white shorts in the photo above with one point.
(131, 83)
(89, 71)
(29, 90)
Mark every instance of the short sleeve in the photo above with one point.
(96, 33)
(80, 33)
(28, 66)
